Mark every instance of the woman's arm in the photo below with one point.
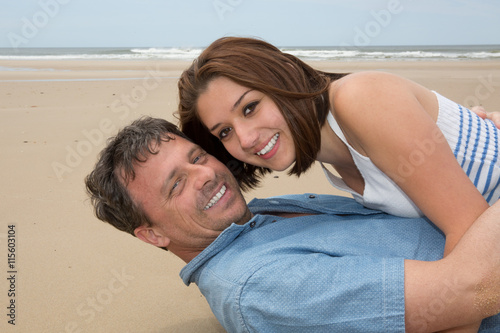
(459, 289)
(472, 328)
(389, 119)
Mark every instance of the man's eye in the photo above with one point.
(224, 133)
(249, 108)
(175, 185)
(174, 188)
(199, 158)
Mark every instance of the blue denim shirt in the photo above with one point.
(340, 270)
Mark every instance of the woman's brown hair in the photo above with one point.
(299, 91)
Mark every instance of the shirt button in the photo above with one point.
(252, 224)
(312, 196)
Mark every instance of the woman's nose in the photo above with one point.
(247, 136)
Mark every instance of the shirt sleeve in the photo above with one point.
(320, 293)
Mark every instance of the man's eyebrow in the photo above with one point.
(166, 182)
(236, 104)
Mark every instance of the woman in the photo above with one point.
(394, 143)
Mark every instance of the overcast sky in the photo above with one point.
(196, 23)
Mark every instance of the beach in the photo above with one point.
(66, 271)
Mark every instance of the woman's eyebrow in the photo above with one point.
(240, 99)
(236, 104)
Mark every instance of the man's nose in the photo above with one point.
(201, 174)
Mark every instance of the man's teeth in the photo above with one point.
(270, 145)
(216, 197)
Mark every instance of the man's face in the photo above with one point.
(189, 195)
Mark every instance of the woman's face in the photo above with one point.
(248, 123)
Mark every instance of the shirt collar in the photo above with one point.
(296, 203)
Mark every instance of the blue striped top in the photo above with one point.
(474, 142)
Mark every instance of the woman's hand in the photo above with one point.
(493, 116)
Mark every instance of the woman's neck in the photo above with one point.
(332, 150)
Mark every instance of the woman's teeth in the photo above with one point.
(270, 145)
(216, 197)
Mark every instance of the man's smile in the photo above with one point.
(216, 197)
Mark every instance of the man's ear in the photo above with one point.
(149, 235)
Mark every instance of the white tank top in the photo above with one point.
(473, 141)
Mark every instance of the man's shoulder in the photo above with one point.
(310, 203)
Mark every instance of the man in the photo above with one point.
(299, 263)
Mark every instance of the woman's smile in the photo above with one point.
(268, 151)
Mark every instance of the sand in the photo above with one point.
(73, 273)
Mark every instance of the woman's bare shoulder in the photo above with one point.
(371, 80)
(370, 86)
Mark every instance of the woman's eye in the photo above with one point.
(224, 132)
(249, 108)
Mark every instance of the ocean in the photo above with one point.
(365, 53)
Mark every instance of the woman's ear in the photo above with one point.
(150, 236)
